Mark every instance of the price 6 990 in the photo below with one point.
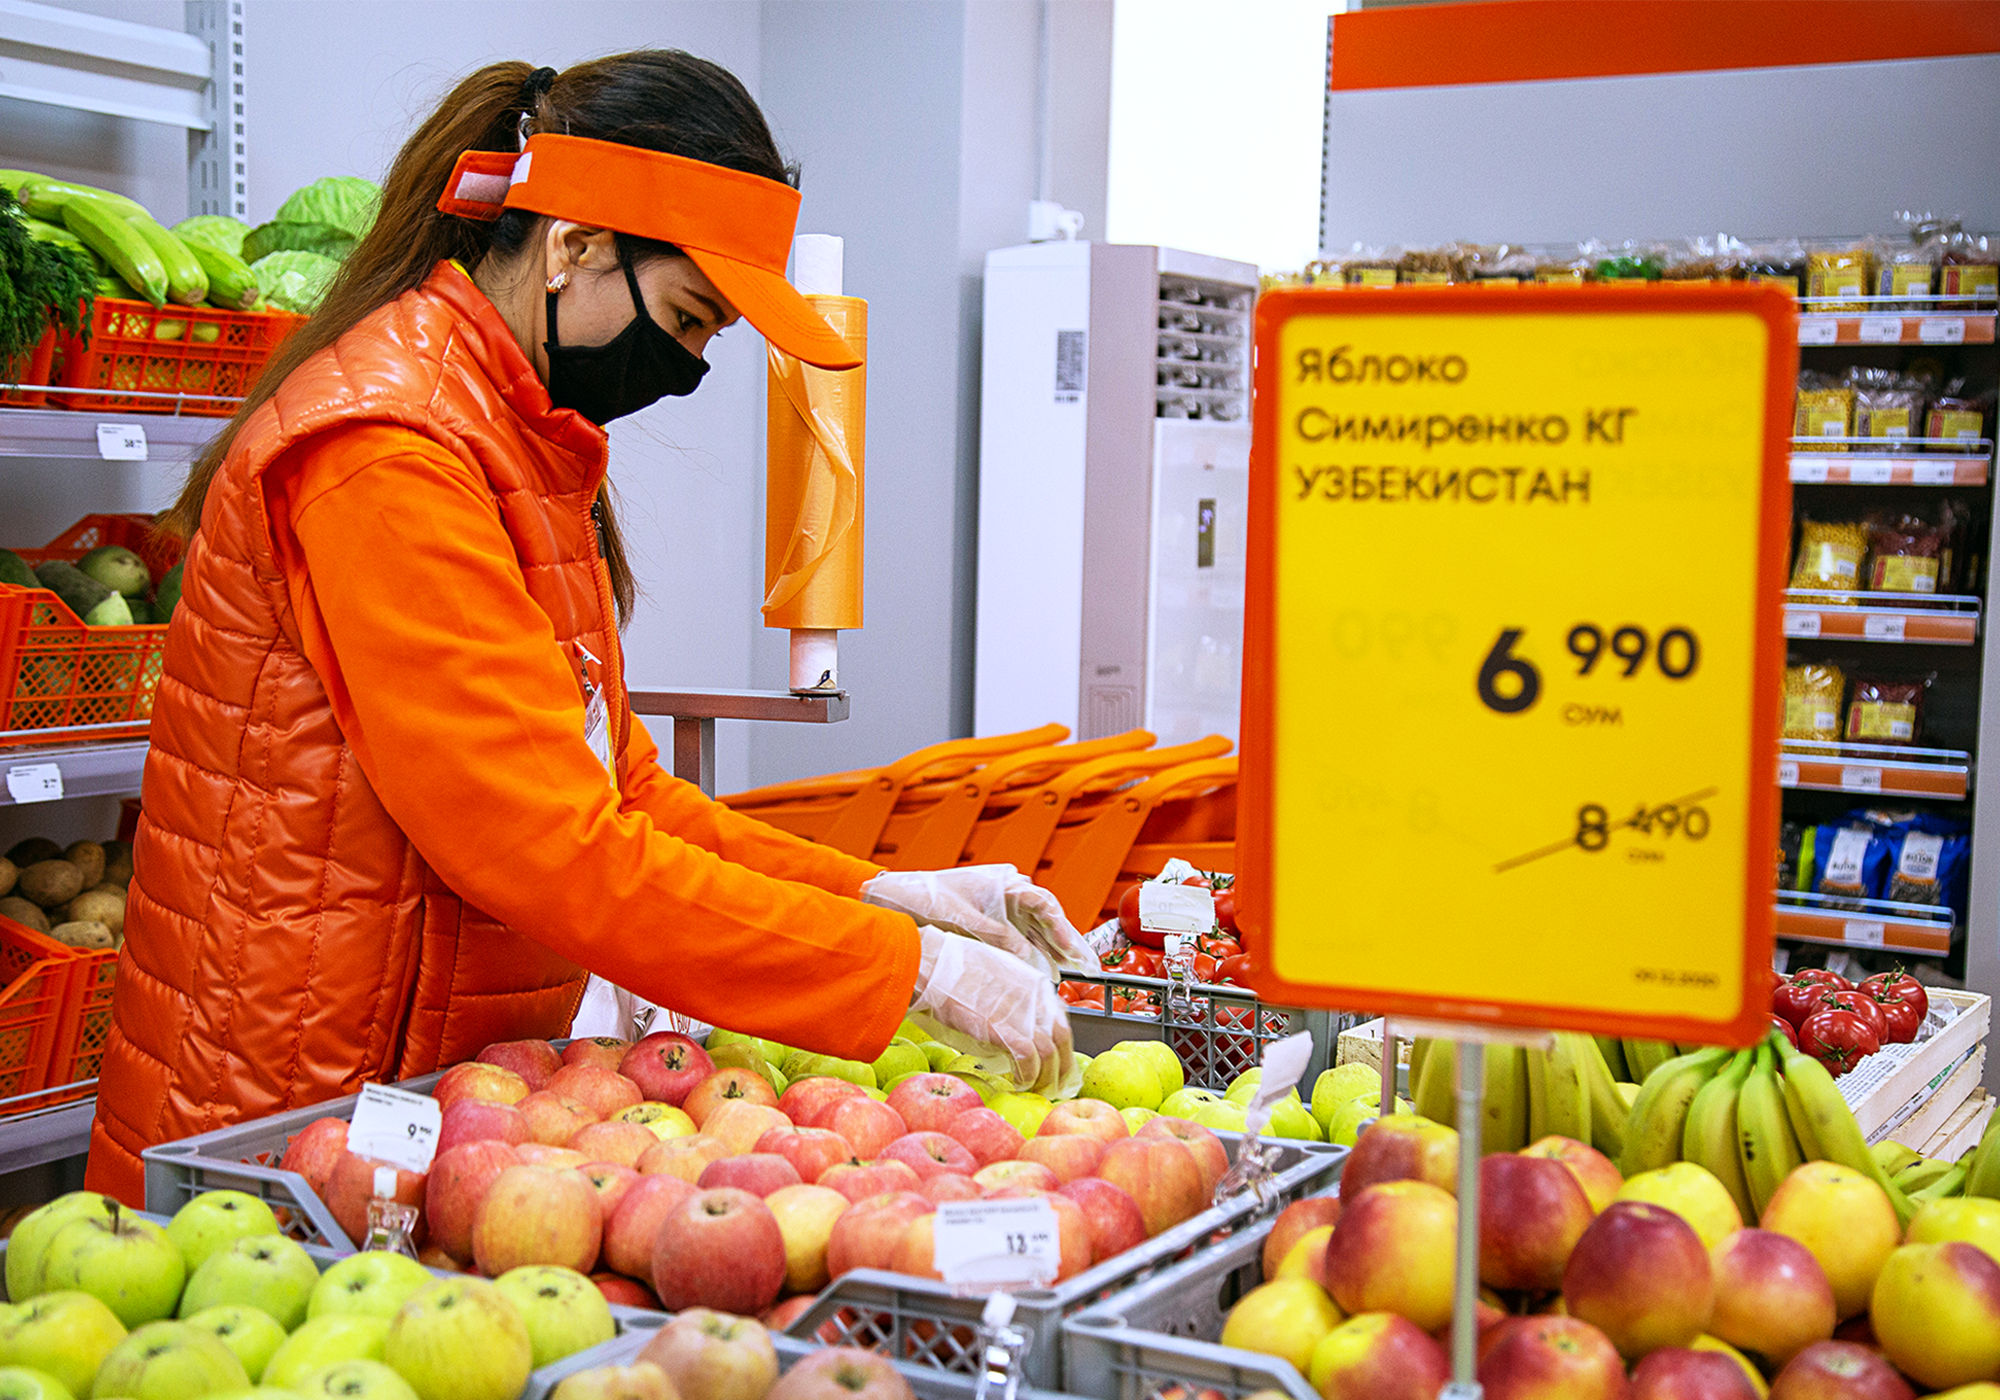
(1510, 684)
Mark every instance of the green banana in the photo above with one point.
(1613, 1051)
(187, 282)
(1894, 1157)
(1608, 1114)
(1766, 1148)
(1567, 1088)
(1982, 1176)
(1654, 1127)
(1431, 1092)
(1925, 1171)
(1834, 1129)
(111, 235)
(1535, 1067)
(1802, 1128)
(230, 284)
(1642, 1057)
(1504, 1127)
(1952, 1183)
(1710, 1139)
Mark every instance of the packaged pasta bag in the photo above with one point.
(1969, 280)
(1813, 692)
(1841, 277)
(1888, 407)
(1887, 709)
(1824, 409)
(1830, 556)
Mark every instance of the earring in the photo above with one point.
(559, 281)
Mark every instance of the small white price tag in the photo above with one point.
(1861, 780)
(1881, 330)
(1285, 1064)
(1188, 909)
(1941, 330)
(1934, 473)
(1788, 772)
(1819, 330)
(1884, 627)
(121, 442)
(35, 782)
(986, 1245)
(395, 1126)
(1870, 473)
(1801, 622)
(1863, 933)
(1810, 470)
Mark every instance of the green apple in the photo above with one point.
(1336, 1086)
(804, 1064)
(1024, 1111)
(213, 1220)
(460, 1339)
(127, 1262)
(258, 1392)
(1345, 1123)
(1289, 1119)
(1166, 1064)
(913, 1033)
(355, 1380)
(563, 1310)
(879, 1095)
(262, 1271)
(26, 1383)
(321, 1341)
(1123, 1080)
(1183, 1104)
(1244, 1086)
(1219, 1115)
(29, 1243)
(774, 1052)
(376, 1282)
(901, 1058)
(168, 1361)
(1135, 1118)
(66, 1334)
(937, 1054)
(253, 1334)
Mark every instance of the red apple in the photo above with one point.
(986, 1135)
(431, 1257)
(556, 1159)
(1209, 1153)
(1379, 1356)
(476, 1120)
(719, 1249)
(859, 1180)
(737, 1123)
(623, 1143)
(1594, 1172)
(1159, 1175)
(790, 1310)
(1771, 1295)
(603, 1091)
(842, 1373)
(759, 1173)
(1294, 1221)
(1532, 1211)
(709, 1355)
(612, 1181)
(622, 1292)
(630, 1229)
(811, 1151)
(1840, 1371)
(1552, 1358)
(1071, 1156)
(532, 1215)
(1075, 1243)
(473, 1080)
(454, 1187)
(1682, 1373)
(868, 1125)
(1640, 1275)
(867, 1234)
(1392, 1250)
(603, 1050)
(352, 1186)
(916, 1249)
(928, 1102)
(1089, 1117)
(315, 1150)
(533, 1060)
(950, 1186)
(554, 1118)
(685, 1157)
(928, 1153)
(1114, 1219)
(1002, 1175)
(807, 1100)
(1401, 1147)
(666, 1066)
(725, 1086)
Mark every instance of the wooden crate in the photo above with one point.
(1928, 1078)
(1962, 1131)
(1362, 1044)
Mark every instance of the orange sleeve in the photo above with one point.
(682, 808)
(465, 717)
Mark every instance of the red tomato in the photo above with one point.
(1202, 881)
(1784, 1028)
(1142, 962)
(1220, 948)
(1091, 998)
(1903, 1000)
(1225, 910)
(1838, 1039)
(1236, 969)
(1823, 977)
(1862, 1005)
(1205, 967)
(1794, 1000)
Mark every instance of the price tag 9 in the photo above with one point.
(35, 782)
(1881, 330)
(121, 442)
(984, 1245)
(395, 1126)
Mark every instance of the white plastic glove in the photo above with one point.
(995, 904)
(997, 1000)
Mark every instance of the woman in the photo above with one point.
(396, 801)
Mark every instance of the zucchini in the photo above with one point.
(187, 282)
(205, 333)
(83, 595)
(111, 235)
(13, 568)
(167, 596)
(230, 285)
(45, 197)
(109, 286)
(170, 328)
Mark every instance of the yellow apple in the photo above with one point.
(1936, 1313)
(1285, 1318)
(1845, 1220)
(1692, 1192)
(1971, 1219)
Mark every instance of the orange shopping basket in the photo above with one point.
(1085, 862)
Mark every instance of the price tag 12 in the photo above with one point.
(35, 782)
(984, 1245)
(121, 442)
(395, 1126)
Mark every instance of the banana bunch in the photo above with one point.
(1750, 1117)
(1530, 1094)
(1924, 1178)
(1982, 1166)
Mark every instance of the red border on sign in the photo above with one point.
(1522, 41)
(1260, 662)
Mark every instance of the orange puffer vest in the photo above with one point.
(257, 818)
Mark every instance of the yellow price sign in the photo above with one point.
(1513, 654)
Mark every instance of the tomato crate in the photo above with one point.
(43, 985)
(33, 370)
(62, 682)
(192, 360)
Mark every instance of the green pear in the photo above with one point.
(29, 1244)
(168, 1361)
(1336, 1086)
(1166, 1064)
(901, 1058)
(253, 1334)
(804, 1064)
(374, 1282)
(67, 1335)
(127, 1262)
(268, 1272)
(26, 1383)
(1123, 1079)
(1344, 1124)
(214, 1220)
(321, 1341)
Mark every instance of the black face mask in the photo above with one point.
(639, 366)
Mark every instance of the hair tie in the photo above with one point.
(538, 84)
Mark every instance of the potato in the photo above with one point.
(117, 863)
(86, 934)
(9, 873)
(26, 853)
(51, 882)
(88, 857)
(98, 906)
(22, 912)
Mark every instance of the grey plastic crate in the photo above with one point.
(1159, 1334)
(921, 1321)
(928, 1384)
(245, 1158)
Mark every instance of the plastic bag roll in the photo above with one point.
(813, 482)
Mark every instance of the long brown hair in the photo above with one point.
(661, 99)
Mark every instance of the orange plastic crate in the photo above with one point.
(33, 370)
(84, 1024)
(135, 346)
(62, 682)
(36, 975)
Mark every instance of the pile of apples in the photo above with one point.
(109, 1303)
(706, 1355)
(687, 1186)
(1595, 1287)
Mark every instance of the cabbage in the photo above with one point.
(324, 239)
(344, 202)
(214, 231)
(293, 280)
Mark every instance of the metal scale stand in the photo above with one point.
(694, 713)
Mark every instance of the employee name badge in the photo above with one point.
(596, 717)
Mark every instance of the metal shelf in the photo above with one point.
(88, 770)
(1864, 923)
(1884, 469)
(1941, 619)
(1886, 770)
(64, 435)
(45, 1134)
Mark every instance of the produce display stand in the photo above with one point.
(55, 1015)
